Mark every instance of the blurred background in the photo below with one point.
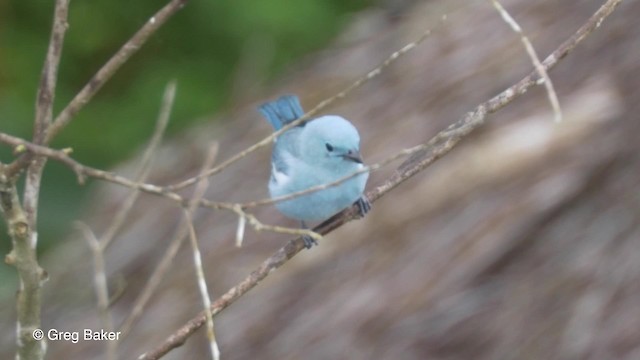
(523, 243)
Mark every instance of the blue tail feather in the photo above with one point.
(282, 111)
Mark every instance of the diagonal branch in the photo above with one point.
(439, 145)
(551, 93)
(198, 193)
(112, 65)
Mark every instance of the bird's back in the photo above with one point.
(286, 147)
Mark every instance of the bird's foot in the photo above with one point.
(363, 205)
(309, 241)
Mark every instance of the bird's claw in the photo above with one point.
(363, 205)
(309, 241)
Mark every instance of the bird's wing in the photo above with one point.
(286, 150)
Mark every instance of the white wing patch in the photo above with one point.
(278, 177)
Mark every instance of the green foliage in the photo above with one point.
(200, 47)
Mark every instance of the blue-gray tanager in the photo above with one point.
(314, 153)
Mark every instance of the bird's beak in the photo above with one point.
(353, 155)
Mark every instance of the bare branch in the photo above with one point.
(100, 283)
(259, 226)
(112, 65)
(202, 285)
(551, 93)
(441, 144)
(47, 89)
(82, 171)
(198, 193)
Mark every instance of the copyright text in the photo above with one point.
(76, 336)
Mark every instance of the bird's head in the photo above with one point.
(332, 141)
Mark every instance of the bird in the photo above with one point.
(317, 152)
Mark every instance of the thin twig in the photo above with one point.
(112, 65)
(258, 226)
(198, 193)
(145, 164)
(551, 93)
(82, 171)
(49, 76)
(322, 105)
(202, 285)
(242, 223)
(442, 143)
(100, 283)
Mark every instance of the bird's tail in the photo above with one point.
(282, 111)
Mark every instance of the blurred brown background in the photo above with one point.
(523, 243)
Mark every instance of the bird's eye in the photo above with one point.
(329, 147)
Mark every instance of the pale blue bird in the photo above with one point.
(314, 153)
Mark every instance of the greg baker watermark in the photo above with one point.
(76, 336)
